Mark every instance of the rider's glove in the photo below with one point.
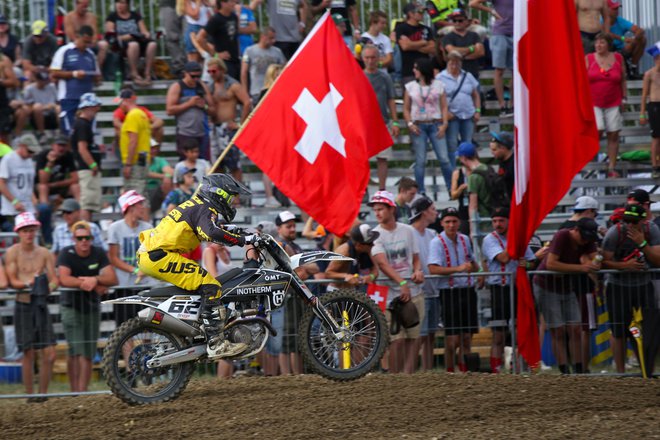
(253, 239)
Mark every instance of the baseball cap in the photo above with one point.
(418, 207)
(449, 212)
(30, 142)
(3, 19)
(182, 172)
(153, 143)
(457, 13)
(61, 139)
(283, 217)
(338, 19)
(504, 138)
(617, 215)
(89, 100)
(411, 7)
(613, 4)
(124, 94)
(588, 229)
(500, 211)
(633, 212)
(466, 149)
(654, 50)
(69, 205)
(192, 66)
(363, 234)
(585, 202)
(639, 195)
(384, 197)
(25, 219)
(128, 199)
(42, 76)
(38, 27)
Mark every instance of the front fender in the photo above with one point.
(314, 256)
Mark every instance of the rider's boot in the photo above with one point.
(214, 317)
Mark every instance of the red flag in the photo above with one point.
(378, 294)
(555, 131)
(314, 132)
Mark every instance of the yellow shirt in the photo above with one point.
(136, 122)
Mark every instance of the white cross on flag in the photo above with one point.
(314, 132)
(378, 294)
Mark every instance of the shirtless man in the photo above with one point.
(227, 93)
(651, 89)
(26, 261)
(80, 16)
(593, 17)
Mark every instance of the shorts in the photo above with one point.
(274, 343)
(502, 48)
(143, 43)
(34, 327)
(500, 305)
(385, 154)
(620, 301)
(412, 332)
(232, 160)
(187, 39)
(293, 311)
(608, 119)
(558, 309)
(90, 190)
(138, 179)
(459, 310)
(654, 118)
(81, 330)
(431, 322)
(588, 41)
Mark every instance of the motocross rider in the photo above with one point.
(202, 218)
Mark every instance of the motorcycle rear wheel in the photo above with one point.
(360, 351)
(124, 364)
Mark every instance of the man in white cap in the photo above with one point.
(396, 253)
(17, 174)
(31, 270)
(585, 207)
(87, 155)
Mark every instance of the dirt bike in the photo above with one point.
(150, 358)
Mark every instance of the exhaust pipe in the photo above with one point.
(168, 322)
(185, 355)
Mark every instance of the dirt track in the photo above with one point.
(432, 405)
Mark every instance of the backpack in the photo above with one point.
(496, 184)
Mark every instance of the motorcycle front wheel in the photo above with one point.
(365, 336)
(125, 364)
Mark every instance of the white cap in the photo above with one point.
(128, 199)
(585, 202)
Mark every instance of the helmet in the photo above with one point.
(219, 190)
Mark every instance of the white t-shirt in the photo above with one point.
(399, 246)
(383, 44)
(127, 240)
(430, 286)
(19, 174)
(202, 167)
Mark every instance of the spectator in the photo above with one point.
(86, 268)
(463, 102)
(571, 250)
(134, 39)
(8, 81)
(459, 191)
(465, 42)
(628, 38)
(185, 187)
(406, 193)
(172, 24)
(585, 207)
(384, 89)
(423, 215)
(17, 176)
(134, 143)
(39, 49)
(632, 247)
(272, 73)
(362, 269)
(651, 92)
(247, 26)
(501, 44)
(501, 146)
(439, 11)
(87, 155)
(498, 260)
(376, 37)
(227, 94)
(196, 15)
(192, 161)
(74, 66)
(157, 124)
(82, 16)
(9, 44)
(57, 179)
(31, 270)
(188, 100)
(396, 253)
(123, 243)
(289, 19)
(63, 235)
(450, 253)
(222, 28)
(425, 112)
(593, 18)
(414, 39)
(478, 190)
(40, 99)
(607, 78)
(256, 60)
(160, 175)
(348, 11)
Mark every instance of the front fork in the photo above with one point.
(319, 310)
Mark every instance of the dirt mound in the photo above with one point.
(431, 405)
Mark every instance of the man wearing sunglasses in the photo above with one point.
(465, 42)
(414, 39)
(632, 247)
(17, 173)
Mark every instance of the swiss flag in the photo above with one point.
(378, 294)
(555, 131)
(314, 132)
